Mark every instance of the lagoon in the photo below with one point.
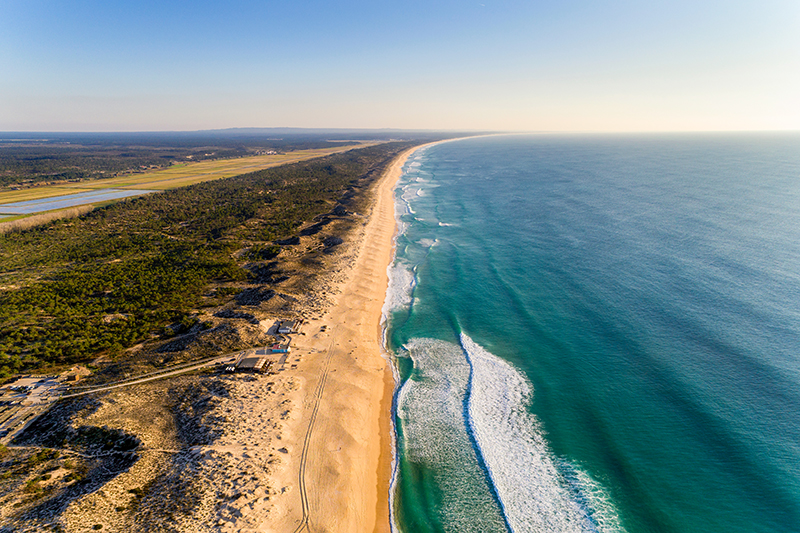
(69, 200)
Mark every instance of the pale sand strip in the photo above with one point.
(347, 468)
(339, 473)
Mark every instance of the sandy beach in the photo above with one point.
(338, 472)
(348, 388)
(349, 385)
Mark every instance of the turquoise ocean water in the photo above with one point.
(598, 333)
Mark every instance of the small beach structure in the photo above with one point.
(279, 348)
(253, 363)
(286, 326)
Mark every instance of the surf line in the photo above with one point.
(391, 296)
(468, 424)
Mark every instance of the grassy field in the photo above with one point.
(175, 176)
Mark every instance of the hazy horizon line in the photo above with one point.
(291, 129)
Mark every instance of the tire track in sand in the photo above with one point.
(304, 522)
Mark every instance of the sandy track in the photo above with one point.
(304, 522)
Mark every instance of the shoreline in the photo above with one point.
(387, 470)
(321, 431)
(348, 387)
(347, 393)
(388, 458)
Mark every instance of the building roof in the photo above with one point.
(254, 363)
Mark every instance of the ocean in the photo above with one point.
(598, 333)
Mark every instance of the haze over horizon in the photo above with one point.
(476, 65)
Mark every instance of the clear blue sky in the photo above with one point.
(569, 65)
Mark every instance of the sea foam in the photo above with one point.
(433, 435)
(463, 416)
(400, 291)
(533, 491)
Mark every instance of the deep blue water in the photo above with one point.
(599, 333)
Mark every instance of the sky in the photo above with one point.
(502, 65)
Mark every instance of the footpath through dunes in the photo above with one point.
(67, 195)
(343, 439)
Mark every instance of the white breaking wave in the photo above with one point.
(534, 494)
(593, 497)
(402, 205)
(399, 293)
(430, 409)
(536, 491)
(402, 277)
(408, 192)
